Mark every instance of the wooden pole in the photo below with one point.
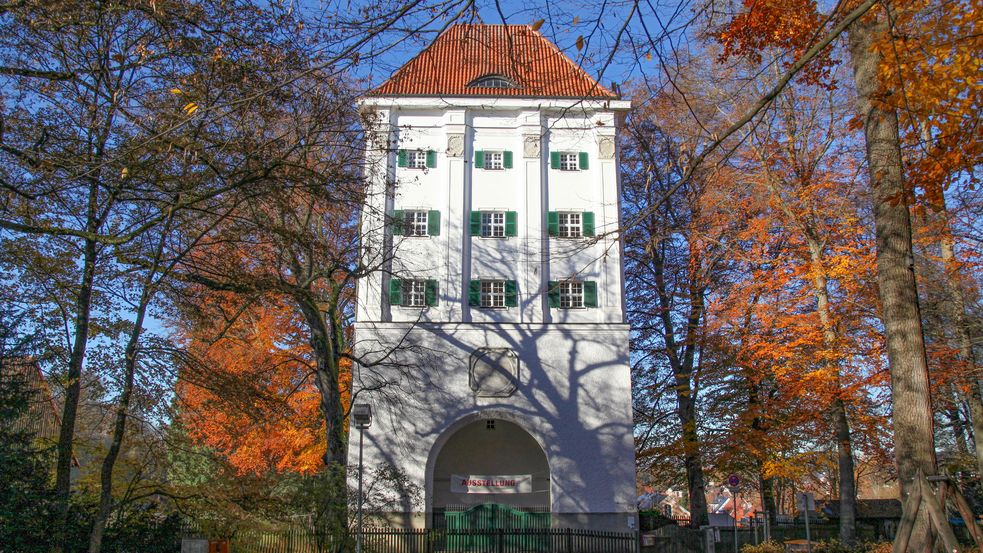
(909, 511)
(967, 513)
(937, 514)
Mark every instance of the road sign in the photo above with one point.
(805, 501)
(733, 480)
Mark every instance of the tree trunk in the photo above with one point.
(912, 413)
(327, 350)
(963, 331)
(123, 403)
(682, 360)
(768, 502)
(119, 426)
(837, 410)
(66, 433)
(692, 461)
(326, 378)
(956, 421)
(975, 399)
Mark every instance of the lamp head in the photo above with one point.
(362, 415)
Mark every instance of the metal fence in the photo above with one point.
(538, 540)
(412, 540)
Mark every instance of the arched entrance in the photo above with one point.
(489, 465)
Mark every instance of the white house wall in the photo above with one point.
(573, 382)
(532, 258)
(574, 393)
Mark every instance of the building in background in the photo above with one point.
(493, 339)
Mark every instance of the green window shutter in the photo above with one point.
(511, 223)
(401, 158)
(553, 293)
(554, 160)
(474, 293)
(553, 223)
(507, 159)
(590, 293)
(587, 221)
(431, 293)
(475, 223)
(397, 222)
(583, 160)
(432, 158)
(433, 223)
(479, 159)
(511, 293)
(395, 292)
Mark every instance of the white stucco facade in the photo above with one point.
(573, 389)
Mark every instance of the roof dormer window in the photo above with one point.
(493, 81)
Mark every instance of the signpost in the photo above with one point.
(805, 501)
(733, 484)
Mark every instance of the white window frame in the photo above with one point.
(416, 159)
(493, 224)
(569, 161)
(493, 294)
(416, 222)
(414, 293)
(570, 224)
(571, 294)
(494, 160)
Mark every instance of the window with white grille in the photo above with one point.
(571, 294)
(493, 224)
(569, 161)
(493, 293)
(414, 293)
(493, 81)
(416, 159)
(570, 225)
(415, 223)
(494, 160)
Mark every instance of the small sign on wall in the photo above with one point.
(513, 483)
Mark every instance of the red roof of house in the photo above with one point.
(464, 53)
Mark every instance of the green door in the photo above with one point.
(481, 527)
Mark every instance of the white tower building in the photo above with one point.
(498, 321)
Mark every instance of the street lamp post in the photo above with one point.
(362, 415)
(734, 485)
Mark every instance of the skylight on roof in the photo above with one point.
(493, 81)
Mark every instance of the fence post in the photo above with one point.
(501, 540)
(569, 540)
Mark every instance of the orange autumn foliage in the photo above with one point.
(933, 60)
(806, 234)
(767, 325)
(930, 75)
(251, 397)
(790, 25)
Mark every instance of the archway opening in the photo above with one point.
(490, 466)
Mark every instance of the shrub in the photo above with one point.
(653, 519)
(770, 546)
(875, 547)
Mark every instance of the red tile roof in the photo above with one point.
(465, 52)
